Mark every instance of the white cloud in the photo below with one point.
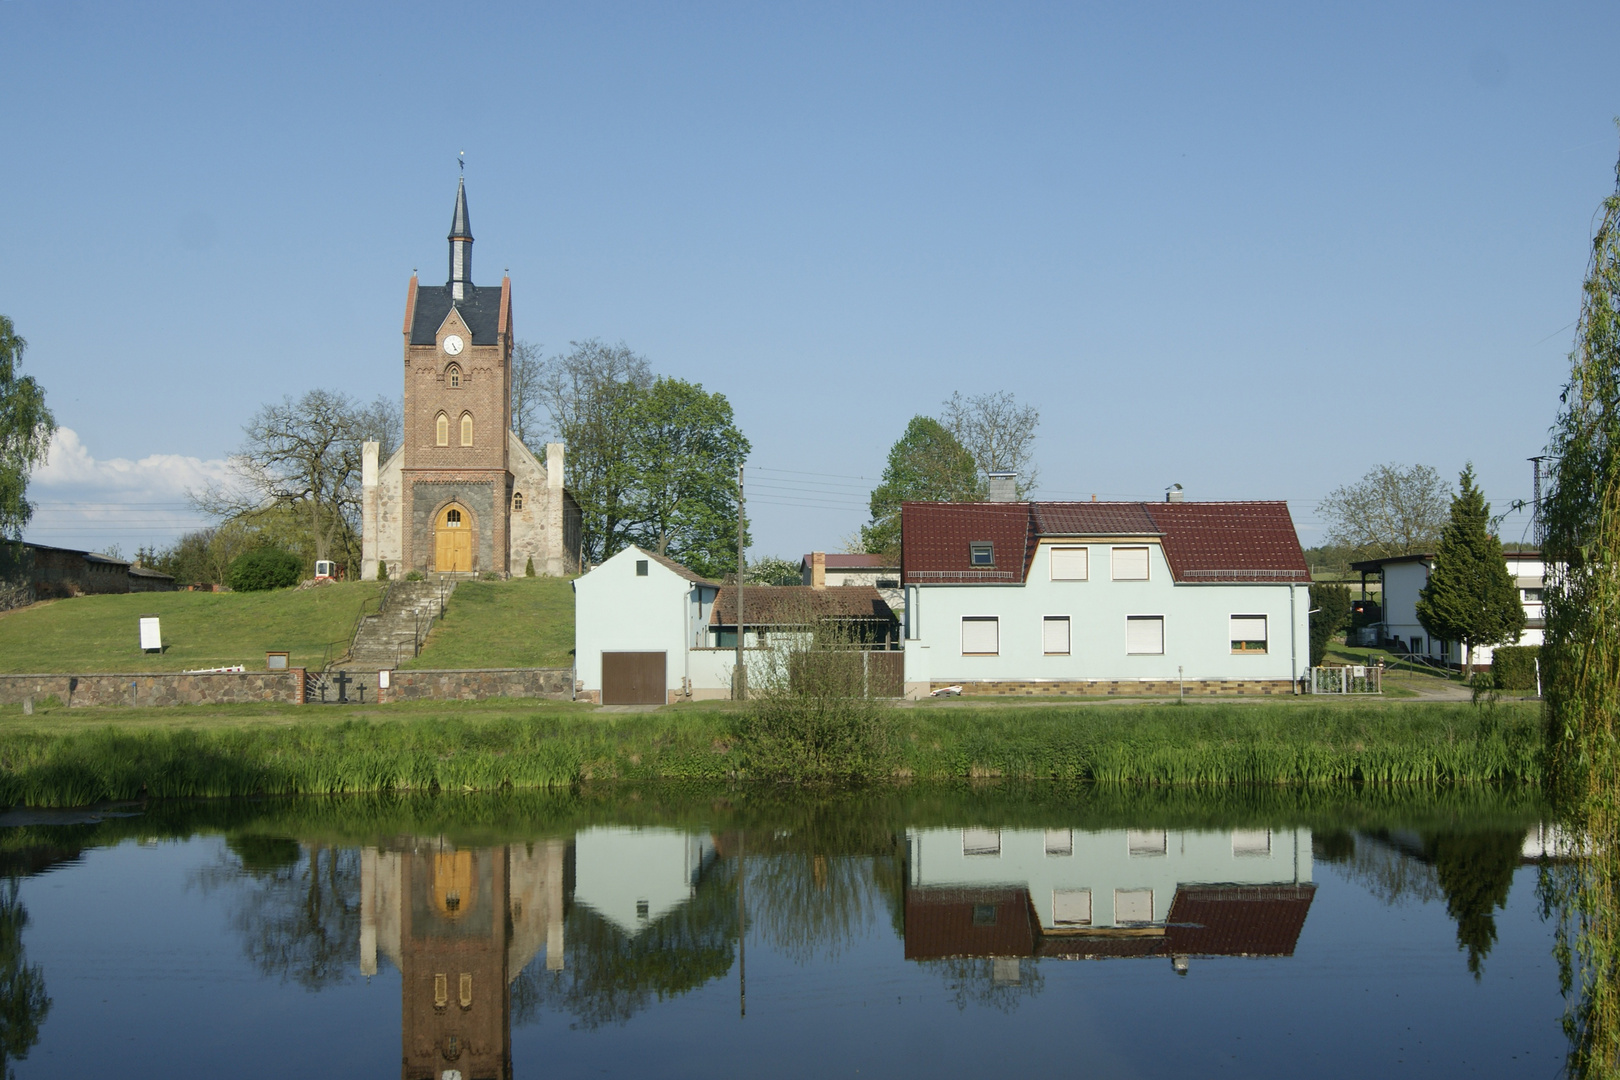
(91, 503)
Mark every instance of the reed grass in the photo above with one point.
(73, 759)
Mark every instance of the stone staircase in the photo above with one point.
(388, 636)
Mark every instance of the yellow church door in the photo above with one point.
(452, 542)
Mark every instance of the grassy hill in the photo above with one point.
(202, 630)
(524, 622)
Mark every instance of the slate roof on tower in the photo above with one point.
(480, 310)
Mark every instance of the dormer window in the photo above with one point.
(982, 554)
(452, 376)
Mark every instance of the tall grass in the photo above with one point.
(1238, 744)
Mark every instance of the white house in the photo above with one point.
(1403, 578)
(641, 633)
(1100, 598)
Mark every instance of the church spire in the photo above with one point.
(461, 242)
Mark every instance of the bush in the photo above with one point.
(1514, 666)
(382, 570)
(1330, 614)
(528, 567)
(415, 575)
(264, 568)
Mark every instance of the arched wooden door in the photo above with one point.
(452, 541)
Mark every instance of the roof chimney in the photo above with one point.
(1003, 487)
(1172, 493)
(818, 569)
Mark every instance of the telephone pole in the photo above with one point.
(739, 681)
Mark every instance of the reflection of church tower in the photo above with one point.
(460, 925)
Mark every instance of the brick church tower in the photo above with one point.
(463, 495)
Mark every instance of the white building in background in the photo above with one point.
(1091, 598)
(632, 877)
(1403, 578)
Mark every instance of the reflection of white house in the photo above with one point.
(633, 877)
(1070, 893)
(1403, 578)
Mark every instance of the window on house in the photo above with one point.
(452, 519)
(1070, 563)
(1055, 635)
(985, 842)
(1251, 843)
(517, 500)
(1059, 842)
(888, 583)
(1146, 842)
(464, 988)
(725, 639)
(1531, 596)
(984, 914)
(1071, 907)
(1417, 643)
(1133, 906)
(443, 425)
(466, 429)
(1248, 633)
(1144, 634)
(1130, 564)
(981, 636)
(982, 554)
(641, 568)
(453, 377)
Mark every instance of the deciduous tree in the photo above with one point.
(25, 432)
(926, 464)
(1390, 511)
(998, 433)
(528, 372)
(1470, 598)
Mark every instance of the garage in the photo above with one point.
(633, 678)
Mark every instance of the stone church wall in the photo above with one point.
(428, 496)
(381, 518)
(539, 530)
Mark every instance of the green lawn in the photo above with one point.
(524, 622)
(200, 630)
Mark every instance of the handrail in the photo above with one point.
(328, 658)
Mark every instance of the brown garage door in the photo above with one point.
(633, 678)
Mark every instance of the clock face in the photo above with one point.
(453, 345)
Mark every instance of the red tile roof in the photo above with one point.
(1203, 541)
(1238, 920)
(943, 922)
(684, 571)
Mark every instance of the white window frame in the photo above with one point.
(1144, 618)
(1070, 549)
(1147, 561)
(1058, 908)
(1068, 635)
(1118, 893)
(1264, 639)
(987, 548)
(995, 624)
(981, 843)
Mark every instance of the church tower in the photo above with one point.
(456, 484)
(463, 495)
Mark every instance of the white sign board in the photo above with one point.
(382, 679)
(151, 636)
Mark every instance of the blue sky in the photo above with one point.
(1252, 249)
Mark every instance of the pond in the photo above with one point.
(654, 932)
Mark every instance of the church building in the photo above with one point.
(463, 495)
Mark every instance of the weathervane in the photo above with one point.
(462, 161)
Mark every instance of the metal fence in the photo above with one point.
(1349, 679)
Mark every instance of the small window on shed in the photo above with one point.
(641, 568)
(982, 554)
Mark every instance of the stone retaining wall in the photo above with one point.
(1114, 688)
(77, 691)
(551, 684)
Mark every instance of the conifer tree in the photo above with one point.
(1470, 598)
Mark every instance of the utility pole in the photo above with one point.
(739, 680)
(1538, 529)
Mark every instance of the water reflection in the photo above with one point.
(597, 923)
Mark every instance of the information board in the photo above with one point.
(151, 635)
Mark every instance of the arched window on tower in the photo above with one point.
(466, 429)
(517, 500)
(443, 430)
(452, 377)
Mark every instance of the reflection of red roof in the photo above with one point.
(1238, 920)
(968, 922)
(1203, 541)
(1204, 920)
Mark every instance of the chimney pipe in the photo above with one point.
(1173, 493)
(818, 569)
(1003, 487)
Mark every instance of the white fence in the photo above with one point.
(1349, 679)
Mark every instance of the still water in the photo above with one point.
(646, 933)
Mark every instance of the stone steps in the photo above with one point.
(386, 638)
